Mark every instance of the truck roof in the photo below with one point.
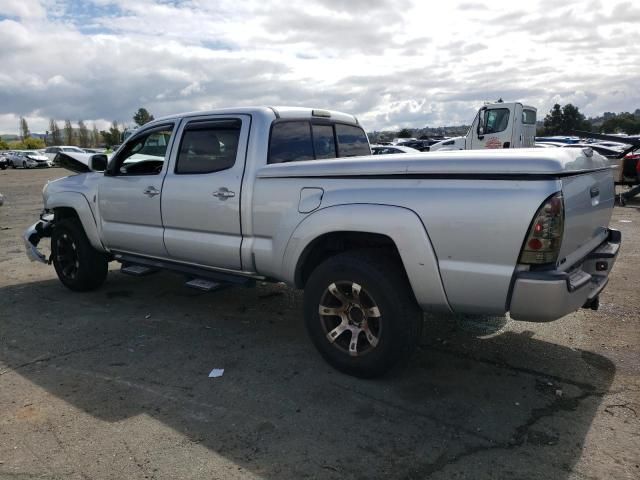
(272, 112)
(509, 104)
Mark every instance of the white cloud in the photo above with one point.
(393, 63)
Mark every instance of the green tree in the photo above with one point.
(116, 135)
(96, 138)
(32, 143)
(572, 119)
(3, 145)
(68, 133)
(28, 144)
(56, 135)
(24, 129)
(142, 116)
(404, 133)
(623, 122)
(553, 121)
(112, 136)
(562, 120)
(83, 134)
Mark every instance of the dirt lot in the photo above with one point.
(114, 383)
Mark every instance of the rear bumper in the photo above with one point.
(548, 295)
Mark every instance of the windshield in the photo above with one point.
(73, 149)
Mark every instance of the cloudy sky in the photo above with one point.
(393, 63)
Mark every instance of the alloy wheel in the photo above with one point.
(350, 318)
(67, 256)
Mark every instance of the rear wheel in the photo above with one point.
(24, 164)
(79, 266)
(361, 314)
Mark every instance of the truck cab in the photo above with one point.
(496, 125)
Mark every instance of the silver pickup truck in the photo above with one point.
(246, 194)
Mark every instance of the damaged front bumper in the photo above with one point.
(34, 234)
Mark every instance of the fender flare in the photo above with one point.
(79, 203)
(401, 225)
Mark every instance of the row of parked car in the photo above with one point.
(37, 158)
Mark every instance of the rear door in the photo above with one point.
(201, 192)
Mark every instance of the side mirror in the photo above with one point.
(98, 162)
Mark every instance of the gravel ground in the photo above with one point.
(114, 383)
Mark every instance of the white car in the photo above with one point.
(51, 152)
(388, 149)
(29, 159)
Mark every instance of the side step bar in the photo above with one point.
(205, 285)
(137, 270)
(144, 265)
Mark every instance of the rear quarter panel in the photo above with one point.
(476, 227)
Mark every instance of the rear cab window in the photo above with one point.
(528, 117)
(301, 140)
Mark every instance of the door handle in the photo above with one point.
(151, 191)
(224, 193)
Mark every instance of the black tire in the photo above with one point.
(24, 164)
(13, 165)
(383, 283)
(79, 266)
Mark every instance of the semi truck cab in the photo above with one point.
(496, 125)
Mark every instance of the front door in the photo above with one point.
(497, 124)
(201, 194)
(129, 194)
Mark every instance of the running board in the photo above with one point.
(137, 270)
(205, 285)
(191, 271)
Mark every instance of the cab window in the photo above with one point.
(290, 141)
(497, 120)
(529, 117)
(298, 140)
(208, 147)
(352, 141)
(144, 154)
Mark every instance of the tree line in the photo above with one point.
(562, 120)
(79, 135)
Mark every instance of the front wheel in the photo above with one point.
(361, 314)
(79, 266)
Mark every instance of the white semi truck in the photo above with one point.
(496, 125)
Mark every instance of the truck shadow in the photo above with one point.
(506, 406)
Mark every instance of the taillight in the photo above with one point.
(545, 235)
(634, 156)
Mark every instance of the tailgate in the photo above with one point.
(588, 204)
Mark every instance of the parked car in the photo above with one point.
(422, 145)
(51, 152)
(372, 241)
(27, 159)
(4, 161)
(30, 159)
(384, 149)
(610, 153)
